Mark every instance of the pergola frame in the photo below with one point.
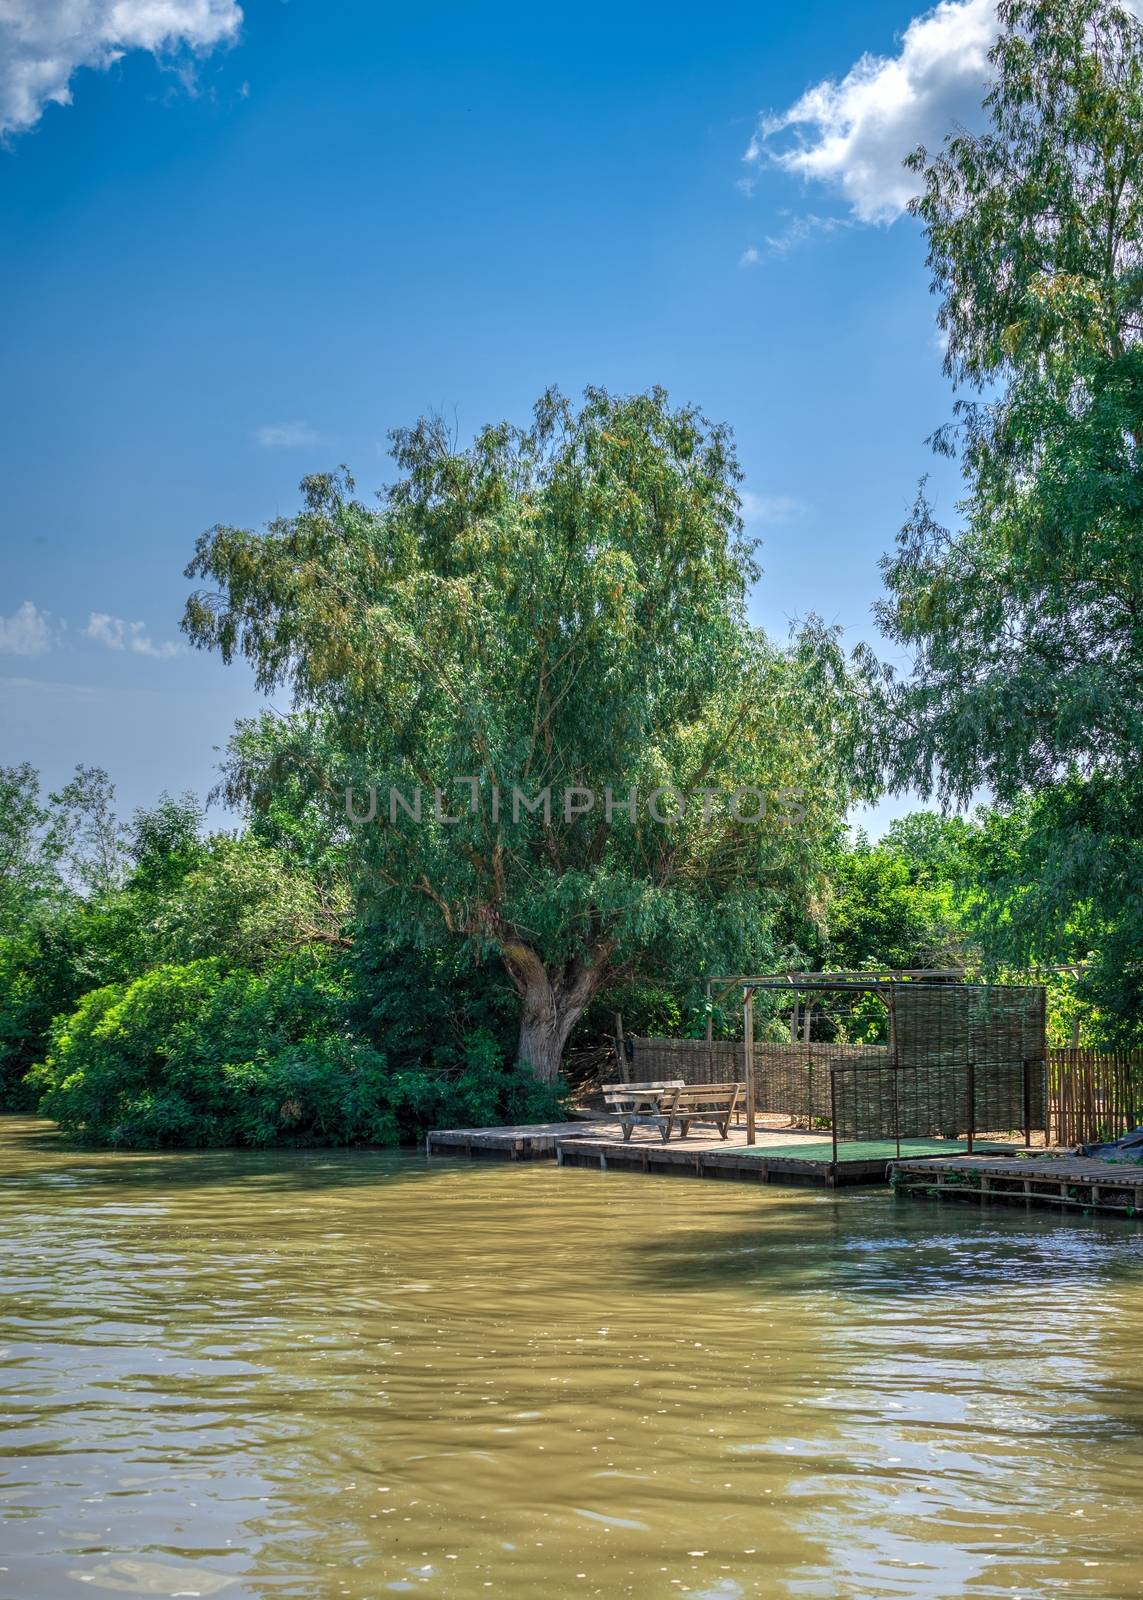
(883, 983)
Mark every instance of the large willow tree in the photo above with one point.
(1026, 622)
(557, 611)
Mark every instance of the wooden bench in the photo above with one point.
(710, 1105)
(663, 1105)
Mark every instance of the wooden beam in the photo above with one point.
(621, 1049)
(748, 1062)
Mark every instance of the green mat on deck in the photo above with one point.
(867, 1150)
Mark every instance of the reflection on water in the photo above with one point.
(355, 1375)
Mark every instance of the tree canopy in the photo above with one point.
(1026, 623)
(546, 635)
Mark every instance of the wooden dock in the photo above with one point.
(928, 1169)
(771, 1160)
(534, 1141)
(781, 1155)
(1068, 1182)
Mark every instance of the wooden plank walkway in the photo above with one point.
(715, 1158)
(531, 1141)
(781, 1155)
(1072, 1183)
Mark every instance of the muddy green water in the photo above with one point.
(358, 1375)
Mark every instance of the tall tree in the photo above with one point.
(30, 850)
(1026, 624)
(94, 841)
(537, 633)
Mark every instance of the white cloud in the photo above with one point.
(286, 435)
(800, 229)
(794, 232)
(26, 631)
(768, 510)
(44, 42)
(117, 634)
(854, 133)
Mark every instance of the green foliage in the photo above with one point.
(38, 912)
(423, 1001)
(893, 907)
(194, 1054)
(93, 842)
(30, 851)
(38, 981)
(199, 1055)
(939, 849)
(165, 844)
(1023, 625)
(558, 608)
(247, 904)
(447, 1024)
(649, 1010)
(1056, 887)
(215, 989)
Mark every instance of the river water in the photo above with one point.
(362, 1374)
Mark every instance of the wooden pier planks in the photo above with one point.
(1073, 1183)
(535, 1141)
(601, 1145)
(687, 1158)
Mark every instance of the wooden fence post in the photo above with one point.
(748, 1062)
(621, 1049)
(1093, 1094)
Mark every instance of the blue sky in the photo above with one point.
(255, 238)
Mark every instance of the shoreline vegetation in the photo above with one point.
(165, 987)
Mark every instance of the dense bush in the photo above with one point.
(39, 980)
(198, 1055)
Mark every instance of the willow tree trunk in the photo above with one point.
(552, 1002)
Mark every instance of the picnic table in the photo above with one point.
(670, 1101)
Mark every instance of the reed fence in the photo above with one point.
(874, 1099)
(1093, 1094)
(793, 1080)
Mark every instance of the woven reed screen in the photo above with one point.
(789, 1080)
(794, 1079)
(692, 1060)
(918, 1086)
(987, 1039)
